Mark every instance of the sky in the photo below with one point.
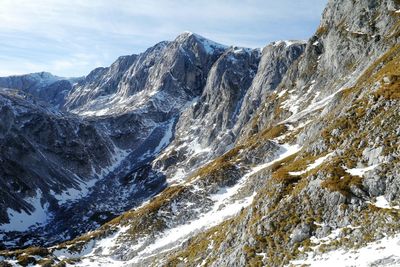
(69, 38)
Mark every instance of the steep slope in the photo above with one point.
(132, 134)
(165, 76)
(44, 86)
(45, 157)
(331, 184)
(274, 159)
(210, 127)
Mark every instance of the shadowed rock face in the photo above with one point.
(175, 71)
(200, 119)
(237, 82)
(46, 151)
(125, 116)
(43, 86)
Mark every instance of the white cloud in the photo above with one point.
(51, 33)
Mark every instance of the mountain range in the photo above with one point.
(195, 153)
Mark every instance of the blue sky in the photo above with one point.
(71, 37)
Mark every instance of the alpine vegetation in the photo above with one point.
(195, 153)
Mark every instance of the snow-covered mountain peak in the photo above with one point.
(40, 77)
(175, 69)
(288, 42)
(247, 157)
(208, 45)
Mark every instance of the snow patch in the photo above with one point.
(361, 171)
(209, 46)
(355, 32)
(165, 141)
(292, 105)
(288, 42)
(96, 252)
(196, 148)
(289, 150)
(178, 176)
(84, 187)
(382, 203)
(21, 221)
(383, 252)
(66, 253)
(280, 94)
(312, 166)
(331, 237)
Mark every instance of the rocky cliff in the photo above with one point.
(282, 156)
(43, 86)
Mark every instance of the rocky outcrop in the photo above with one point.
(43, 86)
(235, 87)
(44, 151)
(99, 83)
(256, 157)
(165, 76)
(342, 48)
(117, 145)
(276, 59)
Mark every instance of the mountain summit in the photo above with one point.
(193, 153)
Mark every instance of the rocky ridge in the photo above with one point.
(275, 159)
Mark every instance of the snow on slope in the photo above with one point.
(293, 106)
(167, 137)
(103, 245)
(21, 221)
(209, 45)
(312, 166)
(84, 187)
(385, 252)
(225, 206)
(294, 101)
(361, 171)
(288, 42)
(382, 203)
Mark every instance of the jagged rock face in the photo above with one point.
(44, 86)
(152, 100)
(276, 59)
(148, 93)
(203, 127)
(44, 151)
(165, 77)
(100, 82)
(340, 51)
(309, 131)
(350, 41)
(220, 104)
(235, 86)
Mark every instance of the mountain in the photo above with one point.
(168, 72)
(114, 149)
(43, 86)
(198, 154)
